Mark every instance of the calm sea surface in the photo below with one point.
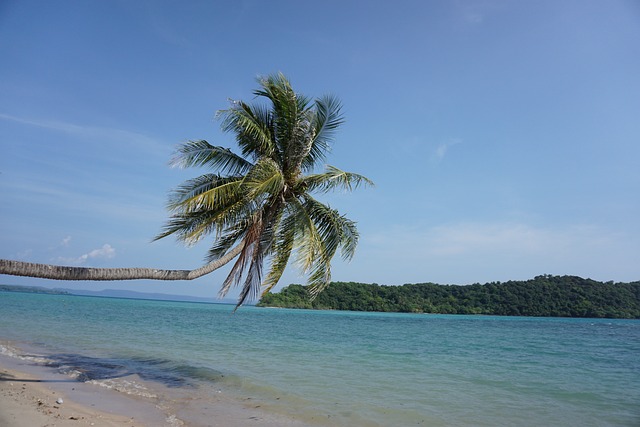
(343, 368)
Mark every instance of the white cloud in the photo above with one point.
(474, 12)
(24, 255)
(441, 151)
(478, 252)
(126, 205)
(467, 238)
(473, 237)
(65, 241)
(86, 132)
(105, 252)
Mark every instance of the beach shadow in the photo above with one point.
(24, 380)
(81, 368)
(4, 376)
(85, 368)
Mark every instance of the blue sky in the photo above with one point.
(503, 136)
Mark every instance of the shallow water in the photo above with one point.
(340, 368)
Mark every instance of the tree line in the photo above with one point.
(546, 295)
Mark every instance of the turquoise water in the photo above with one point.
(346, 368)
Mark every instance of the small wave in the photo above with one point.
(173, 421)
(129, 387)
(14, 352)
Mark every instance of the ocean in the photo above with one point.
(331, 368)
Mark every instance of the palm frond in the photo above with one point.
(288, 112)
(320, 277)
(264, 179)
(307, 241)
(335, 230)
(281, 252)
(206, 191)
(250, 242)
(319, 233)
(224, 242)
(334, 178)
(311, 250)
(326, 120)
(200, 153)
(189, 228)
(251, 260)
(251, 288)
(253, 127)
(299, 144)
(235, 275)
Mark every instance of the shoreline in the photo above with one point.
(26, 401)
(29, 391)
(197, 365)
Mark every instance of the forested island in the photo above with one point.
(546, 296)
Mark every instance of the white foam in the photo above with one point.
(174, 421)
(13, 352)
(132, 388)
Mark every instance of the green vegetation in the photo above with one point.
(553, 296)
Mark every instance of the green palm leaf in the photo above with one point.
(326, 120)
(201, 153)
(281, 251)
(253, 128)
(332, 179)
(205, 191)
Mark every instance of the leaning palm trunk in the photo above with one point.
(258, 204)
(57, 272)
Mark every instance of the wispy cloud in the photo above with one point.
(114, 203)
(515, 238)
(64, 243)
(469, 238)
(474, 12)
(105, 252)
(476, 251)
(441, 150)
(88, 132)
(24, 254)
(165, 31)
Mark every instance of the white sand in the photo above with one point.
(28, 399)
(26, 402)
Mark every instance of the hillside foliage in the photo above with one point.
(552, 296)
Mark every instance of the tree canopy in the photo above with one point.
(556, 296)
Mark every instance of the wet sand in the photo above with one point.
(26, 401)
(29, 397)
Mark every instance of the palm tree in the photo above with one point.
(257, 204)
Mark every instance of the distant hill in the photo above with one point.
(31, 289)
(547, 296)
(115, 293)
(121, 293)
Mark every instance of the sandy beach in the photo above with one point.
(34, 396)
(26, 401)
